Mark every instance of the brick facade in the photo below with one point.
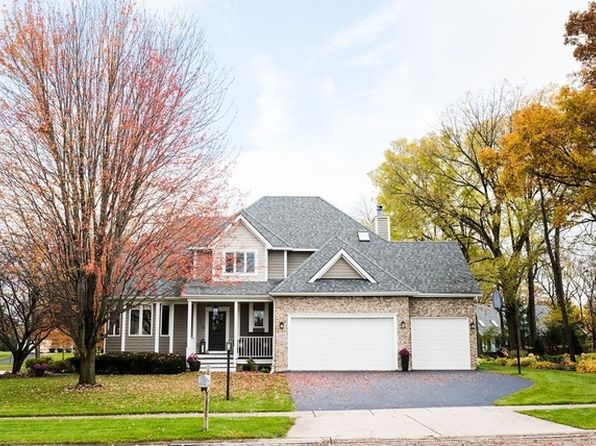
(403, 307)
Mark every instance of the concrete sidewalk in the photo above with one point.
(421, 423)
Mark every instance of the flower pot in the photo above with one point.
(39, 372)
(405, 363)
(194, 366)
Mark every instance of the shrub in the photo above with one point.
(64, 366)
(36, 362)
(554, 366)
(250, 365)
(587, 364)
(264, 368)
(136, 363)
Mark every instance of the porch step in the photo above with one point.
(217, 362)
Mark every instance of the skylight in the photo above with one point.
(363, 236)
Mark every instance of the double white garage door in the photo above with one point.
(369, 342)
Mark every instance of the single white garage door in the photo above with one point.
(440, 344)
(342, 343)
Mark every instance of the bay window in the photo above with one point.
(140, 321)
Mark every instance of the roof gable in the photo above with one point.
(342, 266)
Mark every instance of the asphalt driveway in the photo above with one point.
(392, 390)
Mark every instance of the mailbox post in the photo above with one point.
(204, 382)
(229, 348)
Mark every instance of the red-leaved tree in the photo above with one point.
(111, 160)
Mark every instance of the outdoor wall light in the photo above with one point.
(403, 324)
(215, 311)
(281, 325)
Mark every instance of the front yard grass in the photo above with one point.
(550, 387)
(134, 394)
(129, 430)
(583, 418)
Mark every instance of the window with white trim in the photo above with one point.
(140, 321)
(240, 262)
(114, 327)
(258, 317)
(165, 320)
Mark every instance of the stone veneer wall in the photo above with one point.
(403, 307)
(333, 305)
(441, 307)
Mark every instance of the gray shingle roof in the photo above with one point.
(313, 223)
(197, 287)
(299, 222)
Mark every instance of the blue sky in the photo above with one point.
(322, 87)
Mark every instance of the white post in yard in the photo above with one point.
(157, 326)
(171, 332)
(123, 331)
(236, 330)
(189, 349)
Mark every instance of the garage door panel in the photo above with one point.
(342, 343)
(440, 344)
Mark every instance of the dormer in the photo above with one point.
(240, 253)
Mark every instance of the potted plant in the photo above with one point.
(404, 355)
(193, 362)
(39, 369)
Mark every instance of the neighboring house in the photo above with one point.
(300, 285)
(489, 326)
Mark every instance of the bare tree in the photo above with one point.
(24, 321)
(110, 154)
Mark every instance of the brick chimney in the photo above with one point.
(381, 224)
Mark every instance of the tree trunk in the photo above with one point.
(18, 359)
(553, 248)
(87, 369)
(531, 298)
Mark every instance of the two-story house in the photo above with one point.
(300, 285)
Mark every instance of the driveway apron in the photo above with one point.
(392, 390)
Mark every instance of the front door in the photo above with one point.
(217, 331)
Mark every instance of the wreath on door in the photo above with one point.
(216, 322)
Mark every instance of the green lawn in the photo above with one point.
(584, 418)
(8, 366)
(119, 430)
(130, 394)
(550, 387)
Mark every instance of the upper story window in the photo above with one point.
(240, 262)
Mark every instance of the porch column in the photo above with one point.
(189, 348)
(171, 339)
(157, 326)
(123, 331)
(236, 330)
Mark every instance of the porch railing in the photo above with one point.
(255, 346)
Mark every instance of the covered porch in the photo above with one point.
(246, 322)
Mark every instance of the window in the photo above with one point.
(140, 320)
(482, 324)
(494, 323)
(114, 327)
(165, 320)
(242, 262)
(258, 317)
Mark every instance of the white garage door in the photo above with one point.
(342, 343)
(440, 344)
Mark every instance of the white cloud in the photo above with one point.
(273, 120)
(367, 29)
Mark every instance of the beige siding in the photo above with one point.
(113, 344)
(240, 238)
(164, 344)
(295, 259)
(341, 270)
(276, 264)
(180, 328)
